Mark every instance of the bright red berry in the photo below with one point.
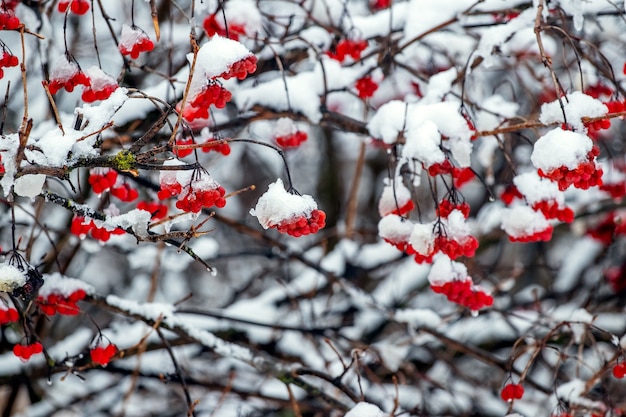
(24, 352)
(8, 315)
(512, 392)
(102, 355)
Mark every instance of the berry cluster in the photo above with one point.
(201, 191)
(134, 41)
(509, 194)
(240, 69)
(617, 190)
(24, 352)
(464, 293)
(181, 153)
(58, 303)
(102, 355)
(102, 179)
(366, 87)
(396, 231)
(552, 210)
(293, 140)
(446, 207)
(8, 315)
(78, 7)
(8, 20)
(460, 175)
(512, 392)
(6, 61)
(124, 192)
(544, 235)
(158, 211)
(212, 93)
(217, 146)
(80, 227)
(348, 47)
(67, 75)
(584, 176)
(101, 85)
(605, 231)
(619, 370)
(214, 27)
(303, 225)
(454, 248)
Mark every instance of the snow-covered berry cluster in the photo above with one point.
(451, 279)
(78, 7)
(8, 20)
(102, 355)
(396, 230)
(7, 61)
(348, 48)
(287, 134)
(460, 176)
(512, 392)
(212, 93)
(365, 87)
(82, 226)
(25, 352)
(295, 215)
(567, 158)
(66, 74)
(134, 41)
(216, 145)
(102, 179)
(101, 85)
(395, 199)
(194, 190)
(157, 210)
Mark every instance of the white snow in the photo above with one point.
(29, 185)
(364, 409)
(535, 188)
(559, 148)
(445, 270)
(577, 105)
(519, 221)
(58, 284)
(277, 205)
(390, 201)
(11, 277)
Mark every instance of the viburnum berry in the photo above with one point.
(462, 176)
(216, 145)
(8, 20)
(101, 85)
(445, 207)
(619, 370)
(102, 179)
(286, 133)
(103, 234)
(396, 231)
(158, 211)
(66, 74)
(181, 153)
(81, 227)
(509, 194)
(194, 190)
(25, 352)
(212, 94)
(366, 87)
(512, 392)
(124, 192)
(240, 69)
(614, 224)
(7, 61)
(395, 199)
(213, 26)
(465, 294)
(552, 210)
(348, 47)
(195, 199)
(53, 303)
(78, 7)
(102, 355)
(295, 215)
(8, 315)
(134, 41)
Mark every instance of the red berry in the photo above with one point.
(102, 355)
(512, 392)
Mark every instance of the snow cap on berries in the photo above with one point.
(11, 277)
(395, 229)
(216, 57)
(576, 106)
(278, 205)
(395, 202)
(522, 222)
(559, 148)
(445, 270)
(535, 188)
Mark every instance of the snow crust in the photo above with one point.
(559, 148)
(277, 205)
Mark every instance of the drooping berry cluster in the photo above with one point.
(181, 153)
(584, 176)
(460, 175)
(552, 210)
(8, 20)
(8, 315)
(303, 225)
(293, 140)
(60, 303)
(102, 179)
(446, 207)
(102, 355)
(158, 211)
(194, 190)
(78, 7)
(134, 41)
(124, 192)
(7, 61)
(212, 94)
(213, 26)
(66, 74)
(288, 212)
(465, 294)
(365, 87)
(25, 352)
(101, 85)
(348, 47)
(456, 247)
(544, 235)
(240, 69)
(512, 392)
(396, 231)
